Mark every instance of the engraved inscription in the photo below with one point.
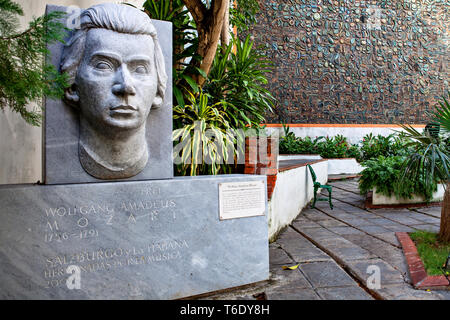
(77, 219)
(106, 259)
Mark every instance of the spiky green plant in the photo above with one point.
(238, 77)
(428, 161)
(204, 137)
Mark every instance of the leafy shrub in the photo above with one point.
(385, 173)
(336, 147)
(428, 159)
(294, 145)
(387, 146)
(326, 147)
(203, 137)
(238, 77)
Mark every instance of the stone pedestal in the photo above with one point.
(160, 239)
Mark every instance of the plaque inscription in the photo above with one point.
(242, 199)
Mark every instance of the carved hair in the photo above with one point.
(118, 18)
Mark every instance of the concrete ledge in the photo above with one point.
(292, 192)
(283, 157)
(379, 199)
(293, 164)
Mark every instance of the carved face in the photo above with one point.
(116, 81)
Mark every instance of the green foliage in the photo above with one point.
(336, 147)
(427, 160)
(232, 97)
(237, 77)
(23, 76)
(431, 251)
(243, 15)
(385, 173)
(326, 147)
(203, 137)
(387, 146)
(185, 43)
(442, 113)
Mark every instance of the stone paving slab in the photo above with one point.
(390, 238)
(427, 219)
(380, 221)
(286, 277)
(373, 229)
(406, 220)
(278, 256)
(331, 223)
(433, 211)
(319, 233)
(345, 230)
(344, 293)
(342, 215)
(351, 253)
(388, 274)
(291, 293)
(316, 215)
(300, 249)
(390, 212)
(427, 227)
(326, 274)
(356, 222)
(396, 227)
(305, 223)
(309, 255)
(407, 292)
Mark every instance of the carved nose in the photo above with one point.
(124, 84)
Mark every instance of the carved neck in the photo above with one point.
(115, 156)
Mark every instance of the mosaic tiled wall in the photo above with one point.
(354, 61)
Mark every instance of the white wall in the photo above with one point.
(293, 191)
(21, 143)
(344, 166)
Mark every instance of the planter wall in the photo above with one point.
(379, 199)
(344, 166)
(298, 156)
(292, 192)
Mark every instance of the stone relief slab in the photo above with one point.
(89, 153)
(159, 239)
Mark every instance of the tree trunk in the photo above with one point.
(225, 32)
(444, 232)
(209, 23)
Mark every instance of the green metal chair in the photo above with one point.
(317, 186)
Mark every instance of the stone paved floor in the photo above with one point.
(336, 247)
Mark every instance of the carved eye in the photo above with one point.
(103, 66)
(141, 69)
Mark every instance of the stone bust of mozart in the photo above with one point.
(116, 75)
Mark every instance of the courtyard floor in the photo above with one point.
(335, 249)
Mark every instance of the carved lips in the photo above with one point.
(123, 109)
